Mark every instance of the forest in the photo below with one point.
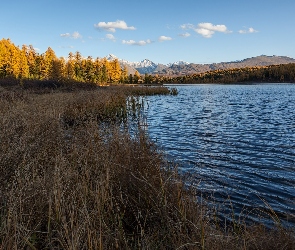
(26, 63)
(273, 73)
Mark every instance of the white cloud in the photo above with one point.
(205, 33)
(211, 27)
(110, 37)
(65, 35)
(164, 38)
(186, 34)
(187, 26)
(112, 26)
(247, 31)
(207, 30)
(75, 35)
(66, 47)
(140, 43)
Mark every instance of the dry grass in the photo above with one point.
(68, 183)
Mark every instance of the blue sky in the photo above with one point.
(162, 31)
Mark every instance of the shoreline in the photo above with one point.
(66, 180)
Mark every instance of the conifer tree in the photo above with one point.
(23, 64)
(115, 71)
(47, 68)
(4, 58)
(32, 60)
(98, 70)
(136, 77)
(13, 60)
(124, 75)
(106, 68)
(130, 79)
(89, 70)
(78, 66)
(58, 69)
(70, 67)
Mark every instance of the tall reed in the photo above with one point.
(68, 183)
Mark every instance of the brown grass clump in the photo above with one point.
(68, 183)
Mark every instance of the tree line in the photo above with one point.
(27, 63)
(273, 73)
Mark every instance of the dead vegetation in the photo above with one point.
(68, 183)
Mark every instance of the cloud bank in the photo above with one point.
(113, 26)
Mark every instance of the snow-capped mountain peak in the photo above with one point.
(144, 63)
(177, 63)
(111, 57)
(144, 66)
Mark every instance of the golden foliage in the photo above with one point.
(26, 63)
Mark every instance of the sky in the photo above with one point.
(162, 31)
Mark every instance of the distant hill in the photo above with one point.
(185, 68)
(201, 68)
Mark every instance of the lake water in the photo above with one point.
(236, 141)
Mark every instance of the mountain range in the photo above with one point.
(185, 68)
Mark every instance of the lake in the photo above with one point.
(235, 141)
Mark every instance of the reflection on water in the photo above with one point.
(238, 140)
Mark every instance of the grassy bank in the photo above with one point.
(68, 183)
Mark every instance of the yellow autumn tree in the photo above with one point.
(58, 69)
(47, 68)
(13, 61)
(78, 66)
(33, 61)
(27, 63)
(106, 71)
(98, 70)
(124, 75)
(115, 71)
(88, 69)
(70, 67)
(23, 64)
(136, 77)
(4, 58)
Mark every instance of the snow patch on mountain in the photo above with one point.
(177, 63)
(145, 66)
(111, 57)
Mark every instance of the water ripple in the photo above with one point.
(239, 140)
